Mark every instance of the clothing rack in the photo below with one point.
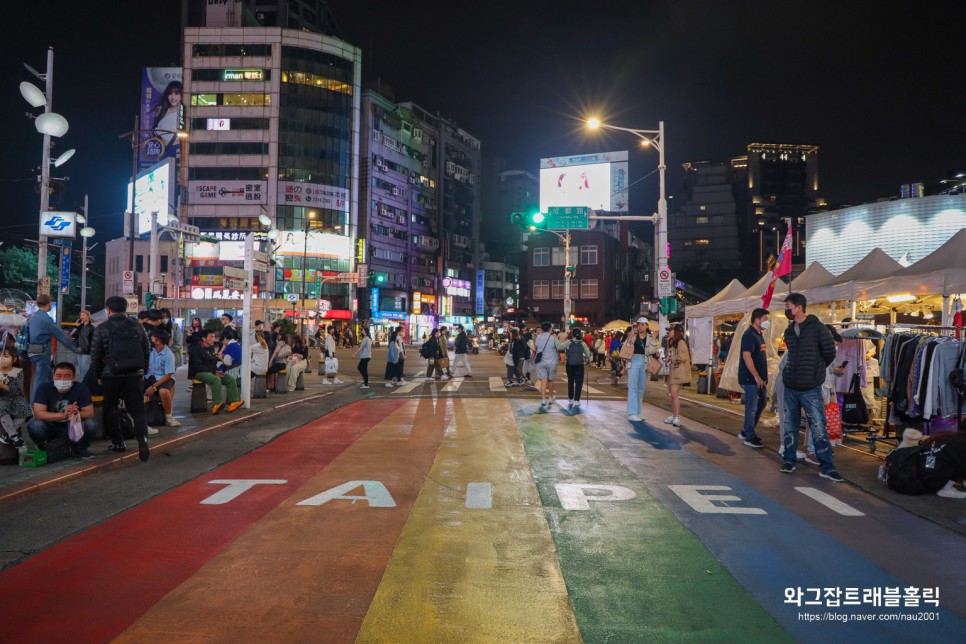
(936, 330)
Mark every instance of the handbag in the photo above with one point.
(444, 363)
(654, 366)
(627, 349)
(833, 421)
(854, 411)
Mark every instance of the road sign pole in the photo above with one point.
(247, 340)
(567, 300)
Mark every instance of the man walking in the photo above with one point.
(461, 348)
(811, 350)
(753, 375)
(119, 356)
(41, 330)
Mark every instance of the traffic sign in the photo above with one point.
(570, 217)
(127, 282)
(235, 284)
(234, 273)
(292, 297)
(261, 267)
(665, 283)
(43, 286)
(132, 303)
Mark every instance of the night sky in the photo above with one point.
(880, 91)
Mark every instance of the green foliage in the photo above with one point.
(18, 269)
(288, 326)
(214, 324)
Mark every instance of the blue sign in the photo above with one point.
(480, 290)
(65, 268)
(375, 303)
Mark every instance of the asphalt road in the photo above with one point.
(461, 510)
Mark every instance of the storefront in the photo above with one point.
(420, 326)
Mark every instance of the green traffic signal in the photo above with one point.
(537, 218)
(529, 220)
(380, 278)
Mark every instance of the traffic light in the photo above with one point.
(377, 279)
(149, 301)
(535, 220)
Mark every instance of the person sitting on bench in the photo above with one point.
(159, 378)
(203, 366)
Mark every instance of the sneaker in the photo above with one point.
(577, 404)
(117, 448)
(144, 452)
(833, 476)
(634, 418)
(754, 442)
(508, 384)
(543, 403)
(401, 383)
(326, 382)
(337, 382)
(390, 385)
(676, 422)
(152, 431)
(669, 419)
(787, 469)
(570, 403)
(217, 409)
(363, 386)
(951, 492)
(741, 435)
(235, 405)
(83, 452)
(6, 439)
(800, 455)
(171, 421)
(552, 398)
(469, 375)
(811, 459)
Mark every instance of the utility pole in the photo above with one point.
(45, 170)
(83, 299)
(135, 138)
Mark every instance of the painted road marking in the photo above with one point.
(704, 503)
(409, 386)
(680, 589)
(376, 495)
(574, 496)
(460, 575)
(496, 384)
(830, 502)
(479, 495)
(236, 487)
(453, 385)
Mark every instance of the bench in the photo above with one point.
(199, 396)
(321, 366)
(259, 390)
(281, 382)
(300, 383)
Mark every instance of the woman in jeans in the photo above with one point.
(576, 356)
(644, 347)
(365, 355)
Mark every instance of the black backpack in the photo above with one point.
(425, 351)
(902, 466)
(575, 353)
(125, 352)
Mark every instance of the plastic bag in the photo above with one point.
(331, 366)
(75, 428)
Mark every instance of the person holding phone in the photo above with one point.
(753, 375)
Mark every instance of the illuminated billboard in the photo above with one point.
(162, 115)
(597, 181)
(324, 245)
(155, 193)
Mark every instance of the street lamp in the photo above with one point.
(86, 233)
(650, 138)
(49, 124)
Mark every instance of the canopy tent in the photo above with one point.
(854, 283)
(813, 275)
(733, 289)
(616, 325)
(941, 273)
(751, 298)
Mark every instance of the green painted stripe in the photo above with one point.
(634, 573)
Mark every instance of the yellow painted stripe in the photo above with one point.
(465, 575)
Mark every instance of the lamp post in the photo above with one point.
(50, 124)
(86, 232)
(569, 270)
(650, 138)
(305, 251)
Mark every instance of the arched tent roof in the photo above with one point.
(733, 289)
(750, 298)
(854, 283)
(942, 272)
(813, 275)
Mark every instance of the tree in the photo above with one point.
(18, 269)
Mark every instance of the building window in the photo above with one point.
(588, 255)
(139, 263)
(557, 291)
(164, 263)
(701, 220)
(558, 256)
(541, 290)
(541, 257)
(702, 242)
(588, 289)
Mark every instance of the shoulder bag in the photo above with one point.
(627, 348)
(540, 352)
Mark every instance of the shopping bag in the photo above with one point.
(654, 365)
(75, 428)
(854, 411)
(833, 422)
(331, 366)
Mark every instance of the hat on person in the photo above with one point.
(910, 438)
(642, 320)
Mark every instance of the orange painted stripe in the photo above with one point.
(308, 573)
(100, 581)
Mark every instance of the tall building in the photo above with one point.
(302, 15)
(733, 217)
(274, 126)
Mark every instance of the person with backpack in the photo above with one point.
(433, 353)
(119, 358)
(461, 347)
(577, 355)
(41, 330)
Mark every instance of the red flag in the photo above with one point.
(783, 266)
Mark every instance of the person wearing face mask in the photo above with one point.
(810, 350)
(14, 410)
(82, 335)
(55, 405)
(753, 375)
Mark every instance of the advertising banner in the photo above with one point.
(155, 193)
(597, 181)
(231, 193)
(480, 291)
(313, 195)
(326, 245)
(65, 267)
(162, 115)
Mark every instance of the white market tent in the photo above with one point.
(942, 273)
(813, 275)
(751, 298)
(853, 284)
(704, 309)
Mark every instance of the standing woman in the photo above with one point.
(82, 335)
(577, 356)
(193, 334)
(365, 355)
(392, 357)
(644, 347)
(679, 371)
(401, 362)
(514, 360)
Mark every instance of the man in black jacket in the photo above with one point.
(125, 384)
(811, 350)
(461, 347)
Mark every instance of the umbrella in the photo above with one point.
(616, 325)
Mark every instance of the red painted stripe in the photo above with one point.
(99, 582)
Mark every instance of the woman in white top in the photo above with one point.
(546, 359)
(365, 355)
(259, 355)
(330, 353)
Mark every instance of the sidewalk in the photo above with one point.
(17, 481)
(853, 459)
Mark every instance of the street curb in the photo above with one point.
(84, 470)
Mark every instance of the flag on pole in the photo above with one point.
(783, 266)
